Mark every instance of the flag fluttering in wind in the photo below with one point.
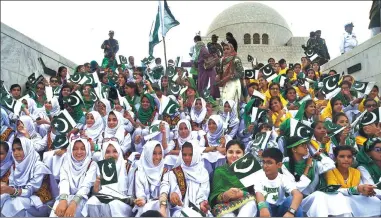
(154, 35)
(167, 19)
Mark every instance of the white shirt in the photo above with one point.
(348, 42)
(273, 190)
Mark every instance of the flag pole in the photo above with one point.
(165, 53)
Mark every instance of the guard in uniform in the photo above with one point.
(349, 40)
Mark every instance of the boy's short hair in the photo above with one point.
(151, 213)
(273, 153)
(15, 86)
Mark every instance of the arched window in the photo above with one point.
(247, 39)
(265, 39)
(256, 39)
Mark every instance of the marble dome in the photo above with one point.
(250, 18)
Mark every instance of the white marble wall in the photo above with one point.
(19, 57)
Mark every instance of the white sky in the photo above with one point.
(76, 29)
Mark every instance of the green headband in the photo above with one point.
(300, 141)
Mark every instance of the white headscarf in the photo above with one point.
(183, 140)
(118, 130)
(29, 126)
(198, 116)
(23, 170)
(120, 166)
(7, 162)
(108, 108)
(152, 172)
(4, 121)
(213, 138)
(196, 172)
(233, 118)
(159, 137)
(76, 169)
(31, 106)
(97, 128)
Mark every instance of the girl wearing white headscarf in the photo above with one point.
(31, 188)
(76, 178)
(95, 130)
(7, 134)
(117, 131)
(103, 106)
(26, 128)
(6, 162)
(148, 177)
(198, 114)
(196, 182)
(184, 134)
(218, 140)
(230, 116)
(115, 208)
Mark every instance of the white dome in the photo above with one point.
(251, 17)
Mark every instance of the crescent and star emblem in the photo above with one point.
(251, 75)
(105, 177)
(374, 117)
(65, 123)
(244, 170)
(359, 88)
(258, 141)
(169, 109)
(330, 88)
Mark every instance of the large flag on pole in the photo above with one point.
(154, 36)
(167, 19)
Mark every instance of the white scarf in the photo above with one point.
(189, 127)
(7, 162)
(97, 128)
(159, 136)
(233, 118)
(120, 166)
(152, 172)
(196, 172)
(23, 170)
(76, 169)
(213, 138)
(198, 116)
(29, 126)
(4, 121)
(118, 130)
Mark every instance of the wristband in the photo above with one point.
(96, 147)
(353, 191)
(63, 197)
(77, 199)
(262, 205)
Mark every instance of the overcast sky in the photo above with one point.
(76, 29)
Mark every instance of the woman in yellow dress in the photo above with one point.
(277, 112)
(360, 197)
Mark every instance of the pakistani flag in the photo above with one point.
(250, 74)
(4, 91)
(122, 59)
(171, 108)
(60, 141)
(154, 130)
(281, 79)
(260, 141)
(268, 72)
(333, 128)
(167, 18)
(170, 72)
(74, 99)
(108, 171)
(330, 83)
(32, 78)
(300, 129)
(371, 117)
(104, 90)
(258, 114)
(89, 79)
(56, 91)
(244, 168)
(154, 36)
(76, 77)
(63, 123)
(174, 88)
(192, 211)
(305, 98)
(363, 87)
(9, 103)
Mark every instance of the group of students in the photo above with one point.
(174, 152)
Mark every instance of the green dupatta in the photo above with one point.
(364, 160)
(223, 180)
(144, 116)
(197, 48)
(299, 168)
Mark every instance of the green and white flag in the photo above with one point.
(9, 103)
(154, 130)
(168, 21)
(261, 139)
(74, 99)
(56, 91)
(300, 129)
(60, 141)
(330, 83)
(257, 114)
(76, 77)
(154, 35)
(371, 117)
(174, 88)
(63, 123)
(244, 168)
(108, 171)
(4, 91)
(268, 72)
(171, 108)
(363, 87)
(333, 128)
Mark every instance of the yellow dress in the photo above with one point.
(268, 96)
(360, 140)
(334, 177)
(285, 117)
(283, 71)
